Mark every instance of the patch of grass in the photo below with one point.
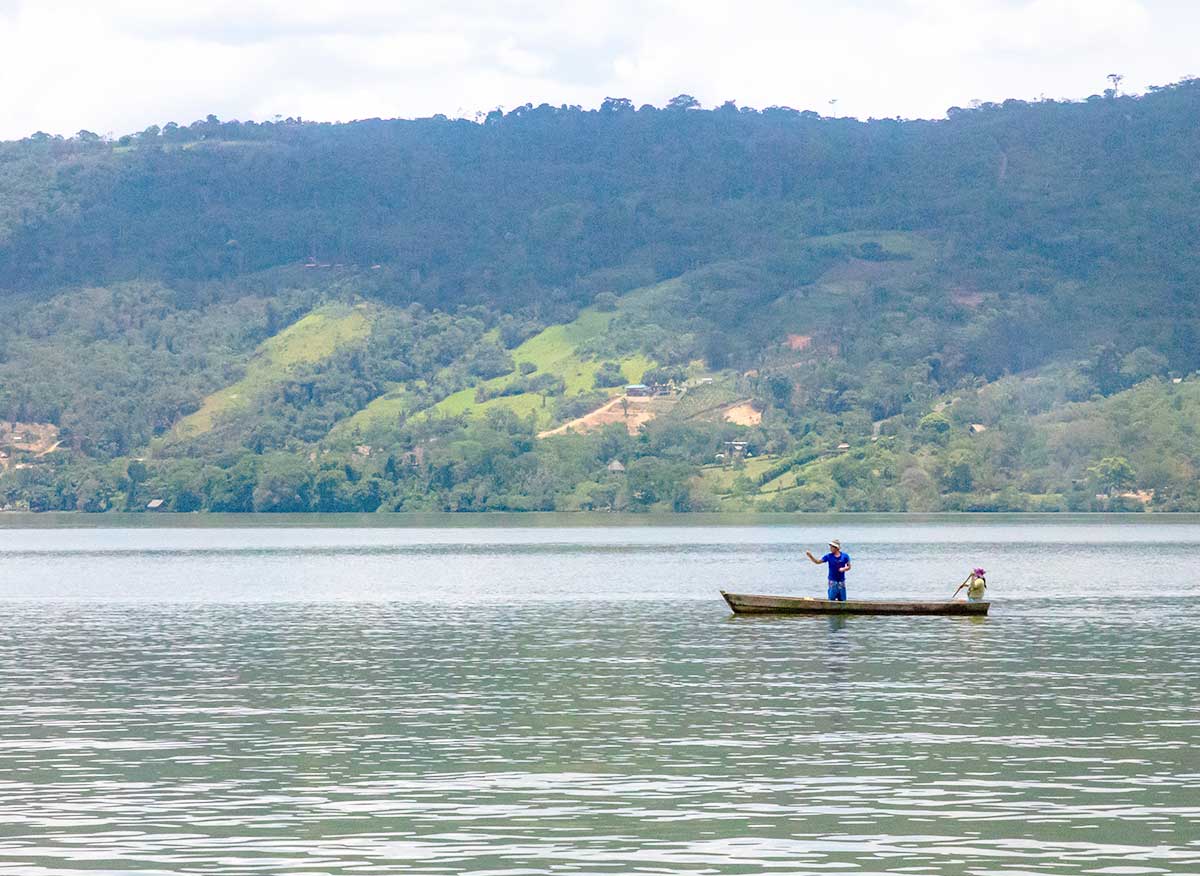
(387, 408)
(316, 336)
(523, 404)
(815, 473)
(901, 243)
(554, 351)
(703, 400)
(785, 481)
(559, 341)
(719, 480)
(313, 338)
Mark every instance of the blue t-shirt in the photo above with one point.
(835, 565)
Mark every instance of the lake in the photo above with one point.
(509, 699)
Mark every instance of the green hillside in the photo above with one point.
(556, 352)
(994, 311)
(559, 352)
(315, 337)
(382, 412)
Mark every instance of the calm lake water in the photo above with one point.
(513, 700)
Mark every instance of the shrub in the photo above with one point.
(609, 374)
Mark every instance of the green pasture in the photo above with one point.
(311, 339)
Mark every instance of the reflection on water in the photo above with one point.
(573, 711)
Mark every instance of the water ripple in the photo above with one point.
(597, 731)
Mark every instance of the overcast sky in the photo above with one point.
(114, 67)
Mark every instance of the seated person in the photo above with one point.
(976, 586)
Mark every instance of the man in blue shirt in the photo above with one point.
(839, 564)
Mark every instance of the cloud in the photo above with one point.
(125, 64)
(1034, 29)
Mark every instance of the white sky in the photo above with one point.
(116, 66)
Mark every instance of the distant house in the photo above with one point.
(616, 467)
(414, 457)
(976, 428)
(155, 505)
(635, 390)
(734, 451)
(843, 446)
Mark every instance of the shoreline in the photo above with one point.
(559, 519)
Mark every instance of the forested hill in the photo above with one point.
(438, 313)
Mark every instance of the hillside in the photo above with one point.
(311, 340)
(986, 312)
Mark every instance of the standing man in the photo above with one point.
(839, 564)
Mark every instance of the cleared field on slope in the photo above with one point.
(386, 409)
(705, 401)
(313, 338)
(553, 351)
(632, 416)
(720, 480)
(893, 243)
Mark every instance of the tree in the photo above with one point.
(1112, 474)
(183, 485)
(616, 105)
(92, 495)
(285, 484)
(333, 491)
(681, 102)
(1104, 368)
(781, 389)
(1142, 363)
(935, 425)
(664, 374)
(609, 374)
(653, 480)
(231, 489)
(958, 476)
(489, 361)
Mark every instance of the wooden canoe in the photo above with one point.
(745, 603)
